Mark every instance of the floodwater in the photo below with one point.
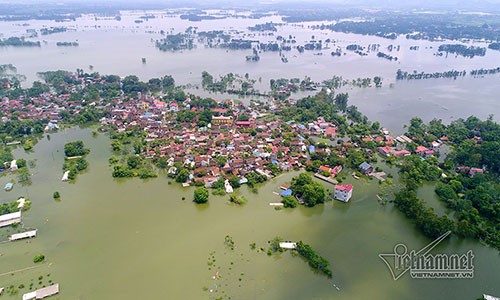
(117, 47)
(134, 239)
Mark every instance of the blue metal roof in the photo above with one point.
(286, 193)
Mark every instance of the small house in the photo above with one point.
(343, 192)
(365, 168)
(474, 171)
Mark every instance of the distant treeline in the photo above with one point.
(264, 27)
(462, 50)
(18, 42)
(67, 44)
(52, 30)
(494, 46)
(418, 26)
(386, 56)
(403, 75)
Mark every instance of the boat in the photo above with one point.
(355, 176)
(8, 186)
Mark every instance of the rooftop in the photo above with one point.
(344, 187)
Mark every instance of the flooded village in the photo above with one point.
(244, 154)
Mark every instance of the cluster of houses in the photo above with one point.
(249, 143)
(390, 150)
(240, 134)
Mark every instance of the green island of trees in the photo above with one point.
(75, 161)
(67, 44)
(462, 50)
(75, 149)
(237, 200)
(18, 42)
(315, 261)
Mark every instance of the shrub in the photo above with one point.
(38, 258)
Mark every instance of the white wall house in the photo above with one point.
(343, 192)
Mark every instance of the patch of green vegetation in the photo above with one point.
(38, 259)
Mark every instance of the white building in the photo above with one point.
(9, 219)
(42, 293)
(229, 188)
(343, 192)
(13, 165)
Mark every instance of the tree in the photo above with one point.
(341, 101)
(21, 163)
(75, 149)
(290, 201)
(201, 195)
(274, 244)
(154, 85)
(314, 193)
(417, 129)
(206, 79)
(376, 126)
(205, 116)
(183, 176)
(121, 171)
(134, 161)
(38, 258)
(234, 199)
(310, 191)
(234, 181)
(168, 82)
(162, 163)
(23, 175)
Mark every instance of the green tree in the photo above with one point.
(75, 149)
(134, 161)
(168, 82)
(183, 176)
(290, 201)
(341, 101)
(201, 195)
(314, 193)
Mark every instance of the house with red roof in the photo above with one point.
(401, 153)
(343, 192)
(173, 107)
(330, 131)
(474, 171)
(421, 150)
(333, 171)
(243, 123)
(385, 151)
